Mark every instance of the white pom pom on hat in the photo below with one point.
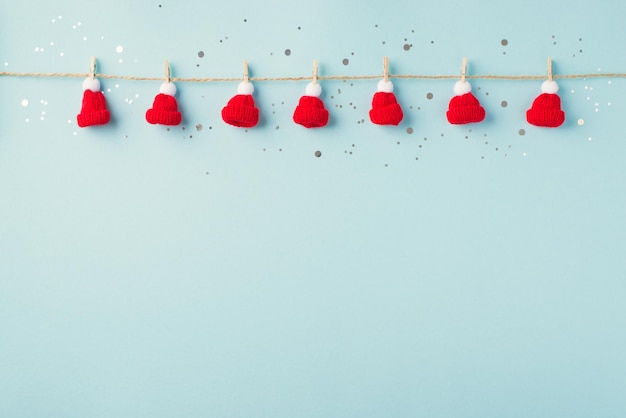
(550, 87)
(462, 87)
(245, 87)
(313, 89)
(92, 84)
(385, 86)
(168, 88)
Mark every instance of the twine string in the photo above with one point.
(303, 78)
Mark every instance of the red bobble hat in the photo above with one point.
(164, 110)
(546, 108)
(385, 108)
(94, 109)
(240, 110)
(464, 107)
(310, 111)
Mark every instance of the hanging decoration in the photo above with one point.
(164, 110)
(310, 111)
(94, 110)
(464, 107)
(546, 108)
(385, 108)
(241, 110)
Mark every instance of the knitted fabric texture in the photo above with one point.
(465, 109)
(385, 109)
(546, 111)
(164, 111)
(94, 110)
(310, 112)
(241, 111)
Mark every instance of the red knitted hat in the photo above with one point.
(164, 110)
(546, 108)
(310, 111)
(240, 110)
(385, 108)
(464, 107)
(94, 109)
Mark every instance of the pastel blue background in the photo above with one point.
(436, 271)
